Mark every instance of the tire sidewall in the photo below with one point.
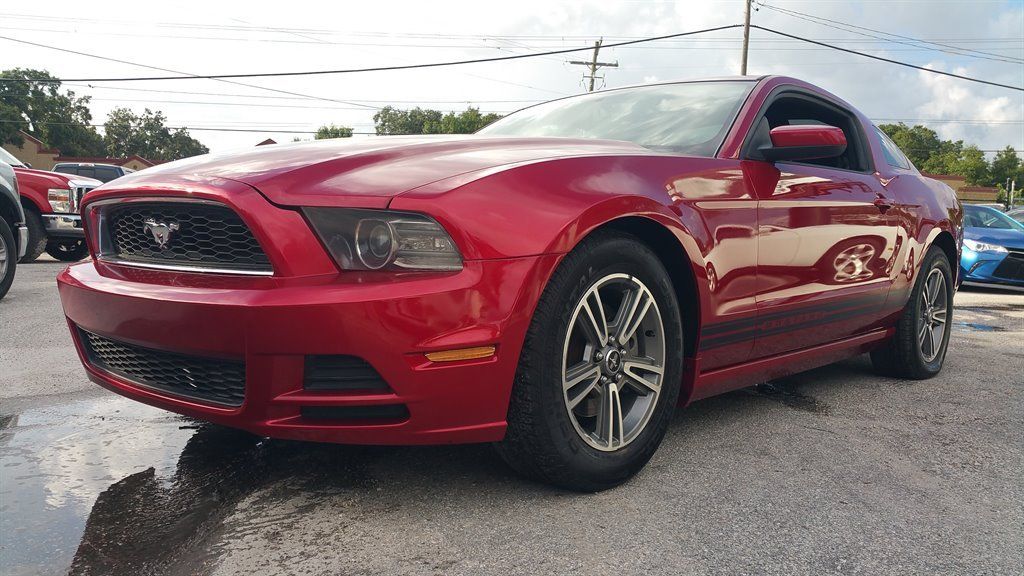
(615, 255)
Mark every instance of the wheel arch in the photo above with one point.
(945, 241)
(673, 256)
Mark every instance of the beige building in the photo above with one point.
(983, 194)
(35, 153)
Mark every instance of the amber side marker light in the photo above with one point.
(463, 354)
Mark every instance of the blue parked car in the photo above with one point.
(993, 247)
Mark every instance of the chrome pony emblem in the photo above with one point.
(161, 231)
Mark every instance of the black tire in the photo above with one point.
(903, 356)
(67, 249)
(541, 441)
(9, 264)
(36, 236)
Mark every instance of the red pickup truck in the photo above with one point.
(51, 203)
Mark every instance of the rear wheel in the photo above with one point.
(600, 371)
(8, 257)
(67, 249)
(918, 349)
(36, 236)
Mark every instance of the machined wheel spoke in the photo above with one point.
(635, 370)
(584, 372)
(593, 318)
(633, 312)
(939, 316)
(610, 428)
(933, 288)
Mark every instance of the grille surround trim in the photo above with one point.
(180, 366)
(107, 253)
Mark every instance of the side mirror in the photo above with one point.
(804, 143)
(27, 165)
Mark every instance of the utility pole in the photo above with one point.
(746, 36)
(594, 65)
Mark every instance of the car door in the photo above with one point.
(826, 238)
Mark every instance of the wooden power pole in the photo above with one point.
(594, 65)
(746, 36)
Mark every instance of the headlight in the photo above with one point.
(60, 200)
(382, 239)
(982, 247)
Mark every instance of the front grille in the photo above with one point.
(196, 235)
(341, 373)
(1012, 267)
(77, 194)
(207, 379)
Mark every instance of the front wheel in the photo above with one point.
(67, 250)
(600, 370)
(918, 349)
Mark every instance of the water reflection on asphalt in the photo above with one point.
(109, 486)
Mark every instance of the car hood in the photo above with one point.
(56, 179)
(318, 172)
(999, 237)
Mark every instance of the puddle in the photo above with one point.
(977, 327)
(110, 486)
(786, 393)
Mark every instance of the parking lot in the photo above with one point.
(835, 471)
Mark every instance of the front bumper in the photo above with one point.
(274, 323)
(992, 268)
(22, 232)
(63, 225)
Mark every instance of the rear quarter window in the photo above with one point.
(893, 155)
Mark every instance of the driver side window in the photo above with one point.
(802, 110)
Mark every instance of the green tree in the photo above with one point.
(60, 119)
(972, 165)
(332, 131)
(391, 120)
(466, 122)
(917, 142)
(145, 134)
(1005, 165)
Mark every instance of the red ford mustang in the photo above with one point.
(556, 284)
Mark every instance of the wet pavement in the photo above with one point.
(834, 471)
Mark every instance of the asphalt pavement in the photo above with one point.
(835, 471)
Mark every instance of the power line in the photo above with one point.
(959, 50)
(353, 70)
(495, 59)
(188, 75)
(889, 60)
(264, 96)
(254, 105)
(189, 128)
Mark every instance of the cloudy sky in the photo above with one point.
(977, 38)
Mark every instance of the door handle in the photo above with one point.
(884, 204)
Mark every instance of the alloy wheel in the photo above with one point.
(613, 362)
(932, 325)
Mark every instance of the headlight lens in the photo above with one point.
(982, 247)
(384, 240)
(60, 200)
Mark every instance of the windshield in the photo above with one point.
(687, 118)
(9, 158)
(985, 217)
